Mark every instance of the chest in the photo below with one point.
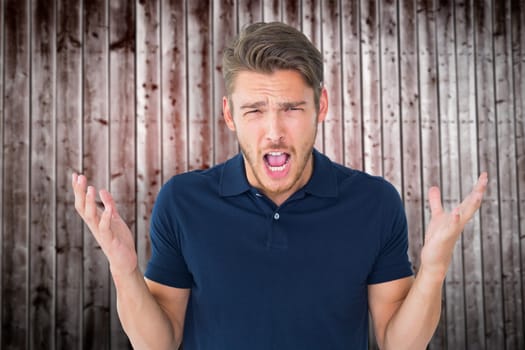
(281, 256)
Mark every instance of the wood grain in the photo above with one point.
(96, 285)
(292, 13)
(517, 18)
(271, 11)
(331, 38)
(174, 89)
(390, 94)
(351, 85)
(69, 123)
(122, 146)
(200, 139)
(2, 117)
(450, 192)
(16, 177)
(42, 208)
(471, 238)
(249, 11)
(423, 92)
(224, 29)
(371, 99)
(429, 121)
(506, 155)
(487, 148)
(411, 130)
(311, 27)
(149, 125)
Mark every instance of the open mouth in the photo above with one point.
(276, 161)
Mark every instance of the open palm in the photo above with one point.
(108, 228)
(445, 227)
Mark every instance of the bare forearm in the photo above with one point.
(143, 320)
(414, 323)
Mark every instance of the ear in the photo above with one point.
(227, 114)
(323, 105)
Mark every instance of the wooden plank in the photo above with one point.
(506, 155)
(371, 99)
(122, 131)
(410, 128)
(450, 191)
(311, 27)
(487, 146)
(42, 208)
(351, 85)
(2, 117)
(200, 94)
(390, 96)
(15, 334)
(224, 29)
(149, 172)
(174, 93)
(292, 13)
(271, 11)
(69, 239)
(518, 72)
(96, 289)
(333, 124)
(466, 96)
(429, 121)
(248, 11)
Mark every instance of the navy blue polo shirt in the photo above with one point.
(263, 276)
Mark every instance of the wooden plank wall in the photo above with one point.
(422, 92)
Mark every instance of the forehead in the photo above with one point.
(281, 85)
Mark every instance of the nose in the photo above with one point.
(274, 127)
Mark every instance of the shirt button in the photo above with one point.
(276, 216)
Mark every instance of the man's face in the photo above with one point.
(275, 119)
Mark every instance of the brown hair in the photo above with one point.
(267, 47)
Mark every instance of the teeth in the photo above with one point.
(277, 168)
(276, 154)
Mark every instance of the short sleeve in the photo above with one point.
(166, 265)
(392, 261)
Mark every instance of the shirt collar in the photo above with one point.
(323, 182)
(233, 177)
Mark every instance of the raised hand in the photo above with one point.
(108, 228)
(445, 228)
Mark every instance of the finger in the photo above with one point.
(473, 201)
(456, 215)
(434, 201)
(90, 211)
(104, 226)
(108, 201)
(79, 188)
(483, 180)
(74, 177)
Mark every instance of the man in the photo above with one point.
(277, 248)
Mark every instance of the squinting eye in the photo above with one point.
(252, 112)
(293, 109)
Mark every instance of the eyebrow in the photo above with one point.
(251, 105)
(260, 104)
(285, 105)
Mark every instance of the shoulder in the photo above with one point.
(189, 190)
(356, 182)
(193, 181)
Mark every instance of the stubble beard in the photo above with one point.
(300, 166)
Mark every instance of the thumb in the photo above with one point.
(109, 203)
(434, 201)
